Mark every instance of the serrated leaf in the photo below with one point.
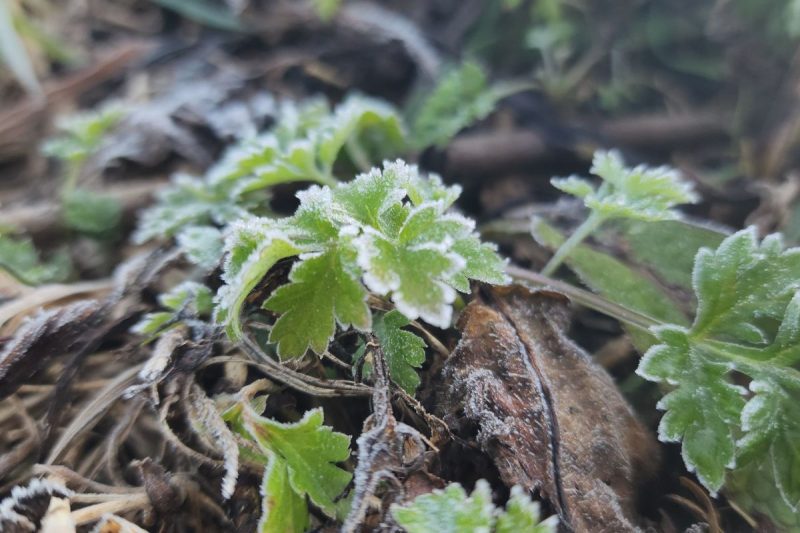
(282, 509)
(639, 193)
(523, 514)
(82, 133)
(404, 351)
(309, 449)
(747, 321)
(253, 246)
(19, 257)
(202, 245)
(449, 511)
(461, 97)
(415, 263)
(323, 291)
(415, 254)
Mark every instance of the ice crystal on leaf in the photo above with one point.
(747, 321)
(451, 510)
(641, 193)
(387, 231)
(188, 299)
(300, 461)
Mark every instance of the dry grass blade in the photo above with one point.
(88, 416)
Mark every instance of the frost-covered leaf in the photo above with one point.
(369, 232)
(404, 351)
(202, 245)
(747, 321)
(252, 247)
(91, 213)
(523, 514)
(82, 133)
(449, 511)
(282, 508)
(461, 97)
(323, 290)
(640, 193)
(19, 257)
(415, 262)
(309, 449)
(188, 299)
(188, 201)
(354, 121)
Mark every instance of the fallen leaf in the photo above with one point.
(550, 418)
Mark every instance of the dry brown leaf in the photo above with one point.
(549, 417)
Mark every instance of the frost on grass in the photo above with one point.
(747, 321)
(451, 510)
(370, 233)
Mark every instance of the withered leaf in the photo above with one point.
(549, 417)
(47, 334)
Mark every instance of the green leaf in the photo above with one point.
(326, 9)
(461, 97)
(82, 134)
(449, 511)
(355, 120)
(202, 245)
(309, 450)
(640, 193)
(282, 508)
(322, 291)
(187, 299)
(671, 263)
(361, 233)
(19, 257)
(91, 213)
(748, 321)
(152, 324)
(522, 514)
(189, 201)
(616, 281)
(404, 350)
(252, 247)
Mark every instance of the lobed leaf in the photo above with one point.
(461, 97)
(404, 351)
(639, 193)
(747, 321)
(451, 510)
(308, 449)
(362, 233)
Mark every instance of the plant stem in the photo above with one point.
(587, 299)
(588, 226)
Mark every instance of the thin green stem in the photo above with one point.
(583, 231)
(587, 299)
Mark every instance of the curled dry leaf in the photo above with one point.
(551, 419)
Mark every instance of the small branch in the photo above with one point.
(297, 380)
